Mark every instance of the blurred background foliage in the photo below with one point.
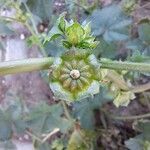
(122, 35)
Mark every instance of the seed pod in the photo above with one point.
(84, 80)
(86, 74)
(67, 82)
(79, 84)
(65, 70)
(76, 78)
(64, 77)
(73, 85)
(68, 65)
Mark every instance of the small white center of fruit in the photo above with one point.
(75, 74)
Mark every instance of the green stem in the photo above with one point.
(34, 136)
(9, 19)
(125, 117)
(116, 78)
(131, 66)
(26, 65)
(141, 88)
(29, 27)
(120, 82)
(31, 18)
(32, 64)
(130, 117)
(38, 44)
(66, 110)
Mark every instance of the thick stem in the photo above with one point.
(32, 64)
(26, 65)
(131, 66)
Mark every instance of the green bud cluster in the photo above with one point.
(73, 34)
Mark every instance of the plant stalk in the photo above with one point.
(33, 64)
(130, 117)
(131, 66)
(26, 65)
(125, 117)
(141, 88)
(115, 77)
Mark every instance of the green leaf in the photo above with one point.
(140, 52)
(106, 50)
(84, 110)
(112, 23)
(57, 145)
(53, 34)
(135, 44)
(19, 126)
(135, 143)
(138, 56)
(2, 2)
(33, 40)
(114, 36)
(45, 118)
(5, 30)
(144, 126)
(144, 32)
(2, 46)
(140, 142)
(62, 23)
(5, 128)
(66, 44)
(41, 146)
(41, 8)
(139, 45)
(53, 48)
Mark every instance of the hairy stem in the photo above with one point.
(32, 64)
(26, 65)
(131, 66)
